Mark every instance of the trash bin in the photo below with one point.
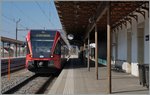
(142, 74)
(147, 75)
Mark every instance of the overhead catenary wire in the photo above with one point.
(4, 30)
(50, 12)
(27, 16)
(56, 13)
(6, 17)
(12, 20)
(44, 13)
(8, 31)
(8, 21)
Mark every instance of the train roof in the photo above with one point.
(37, 31)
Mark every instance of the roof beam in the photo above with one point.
(101, 10)
(9, 40)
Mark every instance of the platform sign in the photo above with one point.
(147, 37)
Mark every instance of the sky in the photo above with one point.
(34, 14)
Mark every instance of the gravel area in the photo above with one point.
(33, 86)
(15, 78)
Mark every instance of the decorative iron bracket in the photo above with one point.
(128, 19)
(141, 12)
(145, 6)
(114, 30)
(120, 25)
(117, 28)
(134, 16)
(116, 25)
(124, 22)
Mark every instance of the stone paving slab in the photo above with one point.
(76, 79)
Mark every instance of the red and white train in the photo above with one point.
(46, 51)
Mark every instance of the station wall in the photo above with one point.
(122, 43)
(138, 51)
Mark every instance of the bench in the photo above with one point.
(118, 65)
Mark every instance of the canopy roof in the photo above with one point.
(78, 17)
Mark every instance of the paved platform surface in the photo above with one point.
(76, 79)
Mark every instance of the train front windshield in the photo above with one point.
(42, 43)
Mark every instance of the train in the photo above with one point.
(47, 52)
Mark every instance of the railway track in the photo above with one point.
(36, 84)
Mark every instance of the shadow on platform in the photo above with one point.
(129, 91)
(78, 63)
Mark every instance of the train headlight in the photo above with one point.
(52, 56)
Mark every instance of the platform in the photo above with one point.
(76, 79)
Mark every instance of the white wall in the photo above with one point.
(134, 42)
(145, 22)
(146, 43)
(134, 66)
(122, 43)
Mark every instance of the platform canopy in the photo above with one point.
(79, 17)
(11, 41)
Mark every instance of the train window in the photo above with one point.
(41, 43)
(28, 49)
(41, 46)
(58, 48)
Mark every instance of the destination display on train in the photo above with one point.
(42, 35)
